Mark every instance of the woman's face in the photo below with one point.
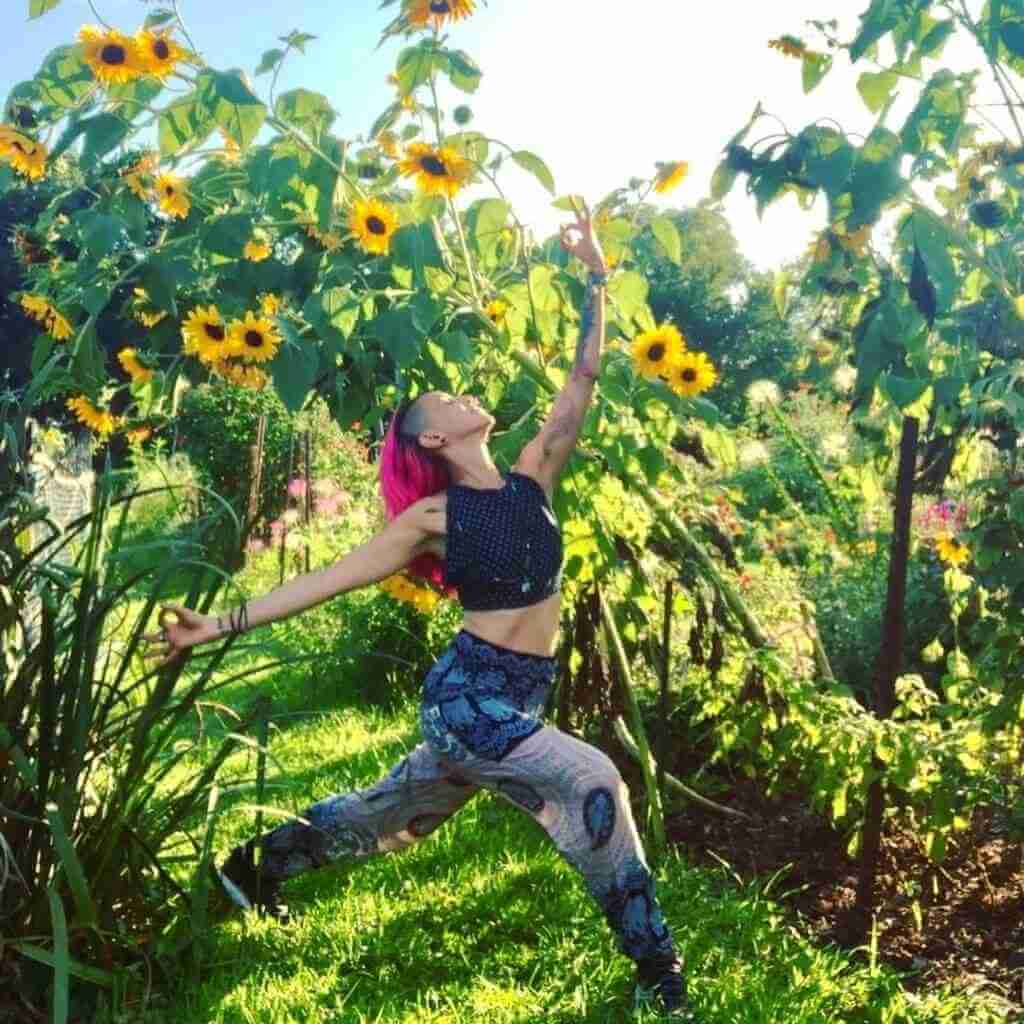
(457, 416)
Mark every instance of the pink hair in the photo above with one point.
(407, 473)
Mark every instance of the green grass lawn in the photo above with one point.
(483, 921)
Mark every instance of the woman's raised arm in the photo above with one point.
(384, 554)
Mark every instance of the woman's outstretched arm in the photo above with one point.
(384, 554)
(547, 454)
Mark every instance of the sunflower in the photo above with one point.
(655, 351)
(789, 45)
(255, 338)
(373, 224)
(145, 312)
(232, 151)
(952, 551)
(250, 377)
(434, 13)
(206, 336)
(256, 249)
(172, 194)
(25, 155)
(496, 310)
(693, 374)
(100, 421)
(670, 176)
(57, 326)
(36, 307)
(158, 53)
(138, 434)
(113, 56)
(388, 142)
(129, 359)
(270, 303)
(438, 172)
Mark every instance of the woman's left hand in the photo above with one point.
(580, 240)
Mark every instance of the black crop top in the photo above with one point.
(504, 545)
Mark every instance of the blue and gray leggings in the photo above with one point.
(480, 718)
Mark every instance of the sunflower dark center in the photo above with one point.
(434, 165)
(161, 49)
(113, 54)
(214, 331)
(656, 352)
(440, 7)
(169, 190)
(689, 375)
(18, 146)
(253, 339)
(376, 225)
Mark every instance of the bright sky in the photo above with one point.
(600, 90)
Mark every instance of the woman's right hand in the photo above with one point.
(186, 630)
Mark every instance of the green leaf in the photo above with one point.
(162, 276)
(95, 298)
(37, 8)
(103, 133)
(73, 870)
(903, 391)
(306, 110)
(667, 234)
(828, 158)
(64, 77)
(566, 202)
(780, 293)
(1012, 34)
(457, 347)
(536, 166)
(486, 219)
(228, 234)
(416, 64)
(881, 17)
(234, 106)
(935, 41)
(185, 122)
(134, 95)
(298, 40)
(271, 58)
(157, 17)
(815, 68)
(398, 336)
(464, 72)
(628, 291)
(933, 246)
(61, 958)
(99, 232)
(723, 180)
(415, 247)
(294, 368)
(875, 88)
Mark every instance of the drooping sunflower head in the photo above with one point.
(206, 336)
(373, 223)
(129, 360)
(36, 306)
(250, 377)
(57, 325)
(693, 374)
(270, 303)
(496, 310)
(256, 249)
(158, 52)
(388, 142)
(113, 56)
(25, 155)
(172, 194)
(100, 421)
(654, 352)
(255, 339)
(670, 176)
(435, 13)
(951, 551)
(438, 172)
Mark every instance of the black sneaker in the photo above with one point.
(240, 879)
(660, 985)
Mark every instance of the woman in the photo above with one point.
(455, 519)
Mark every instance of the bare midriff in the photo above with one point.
(530, 630)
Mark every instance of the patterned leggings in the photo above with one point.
(480, 719)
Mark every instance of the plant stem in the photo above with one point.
(470, 272)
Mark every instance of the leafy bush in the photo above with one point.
(850, 602)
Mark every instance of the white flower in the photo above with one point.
(833, 446)
(844, 378)
(754, 453)
(763, 392)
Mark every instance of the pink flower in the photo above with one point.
(255, 545)
(276, 528)
(328, 506)
(297, 488)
